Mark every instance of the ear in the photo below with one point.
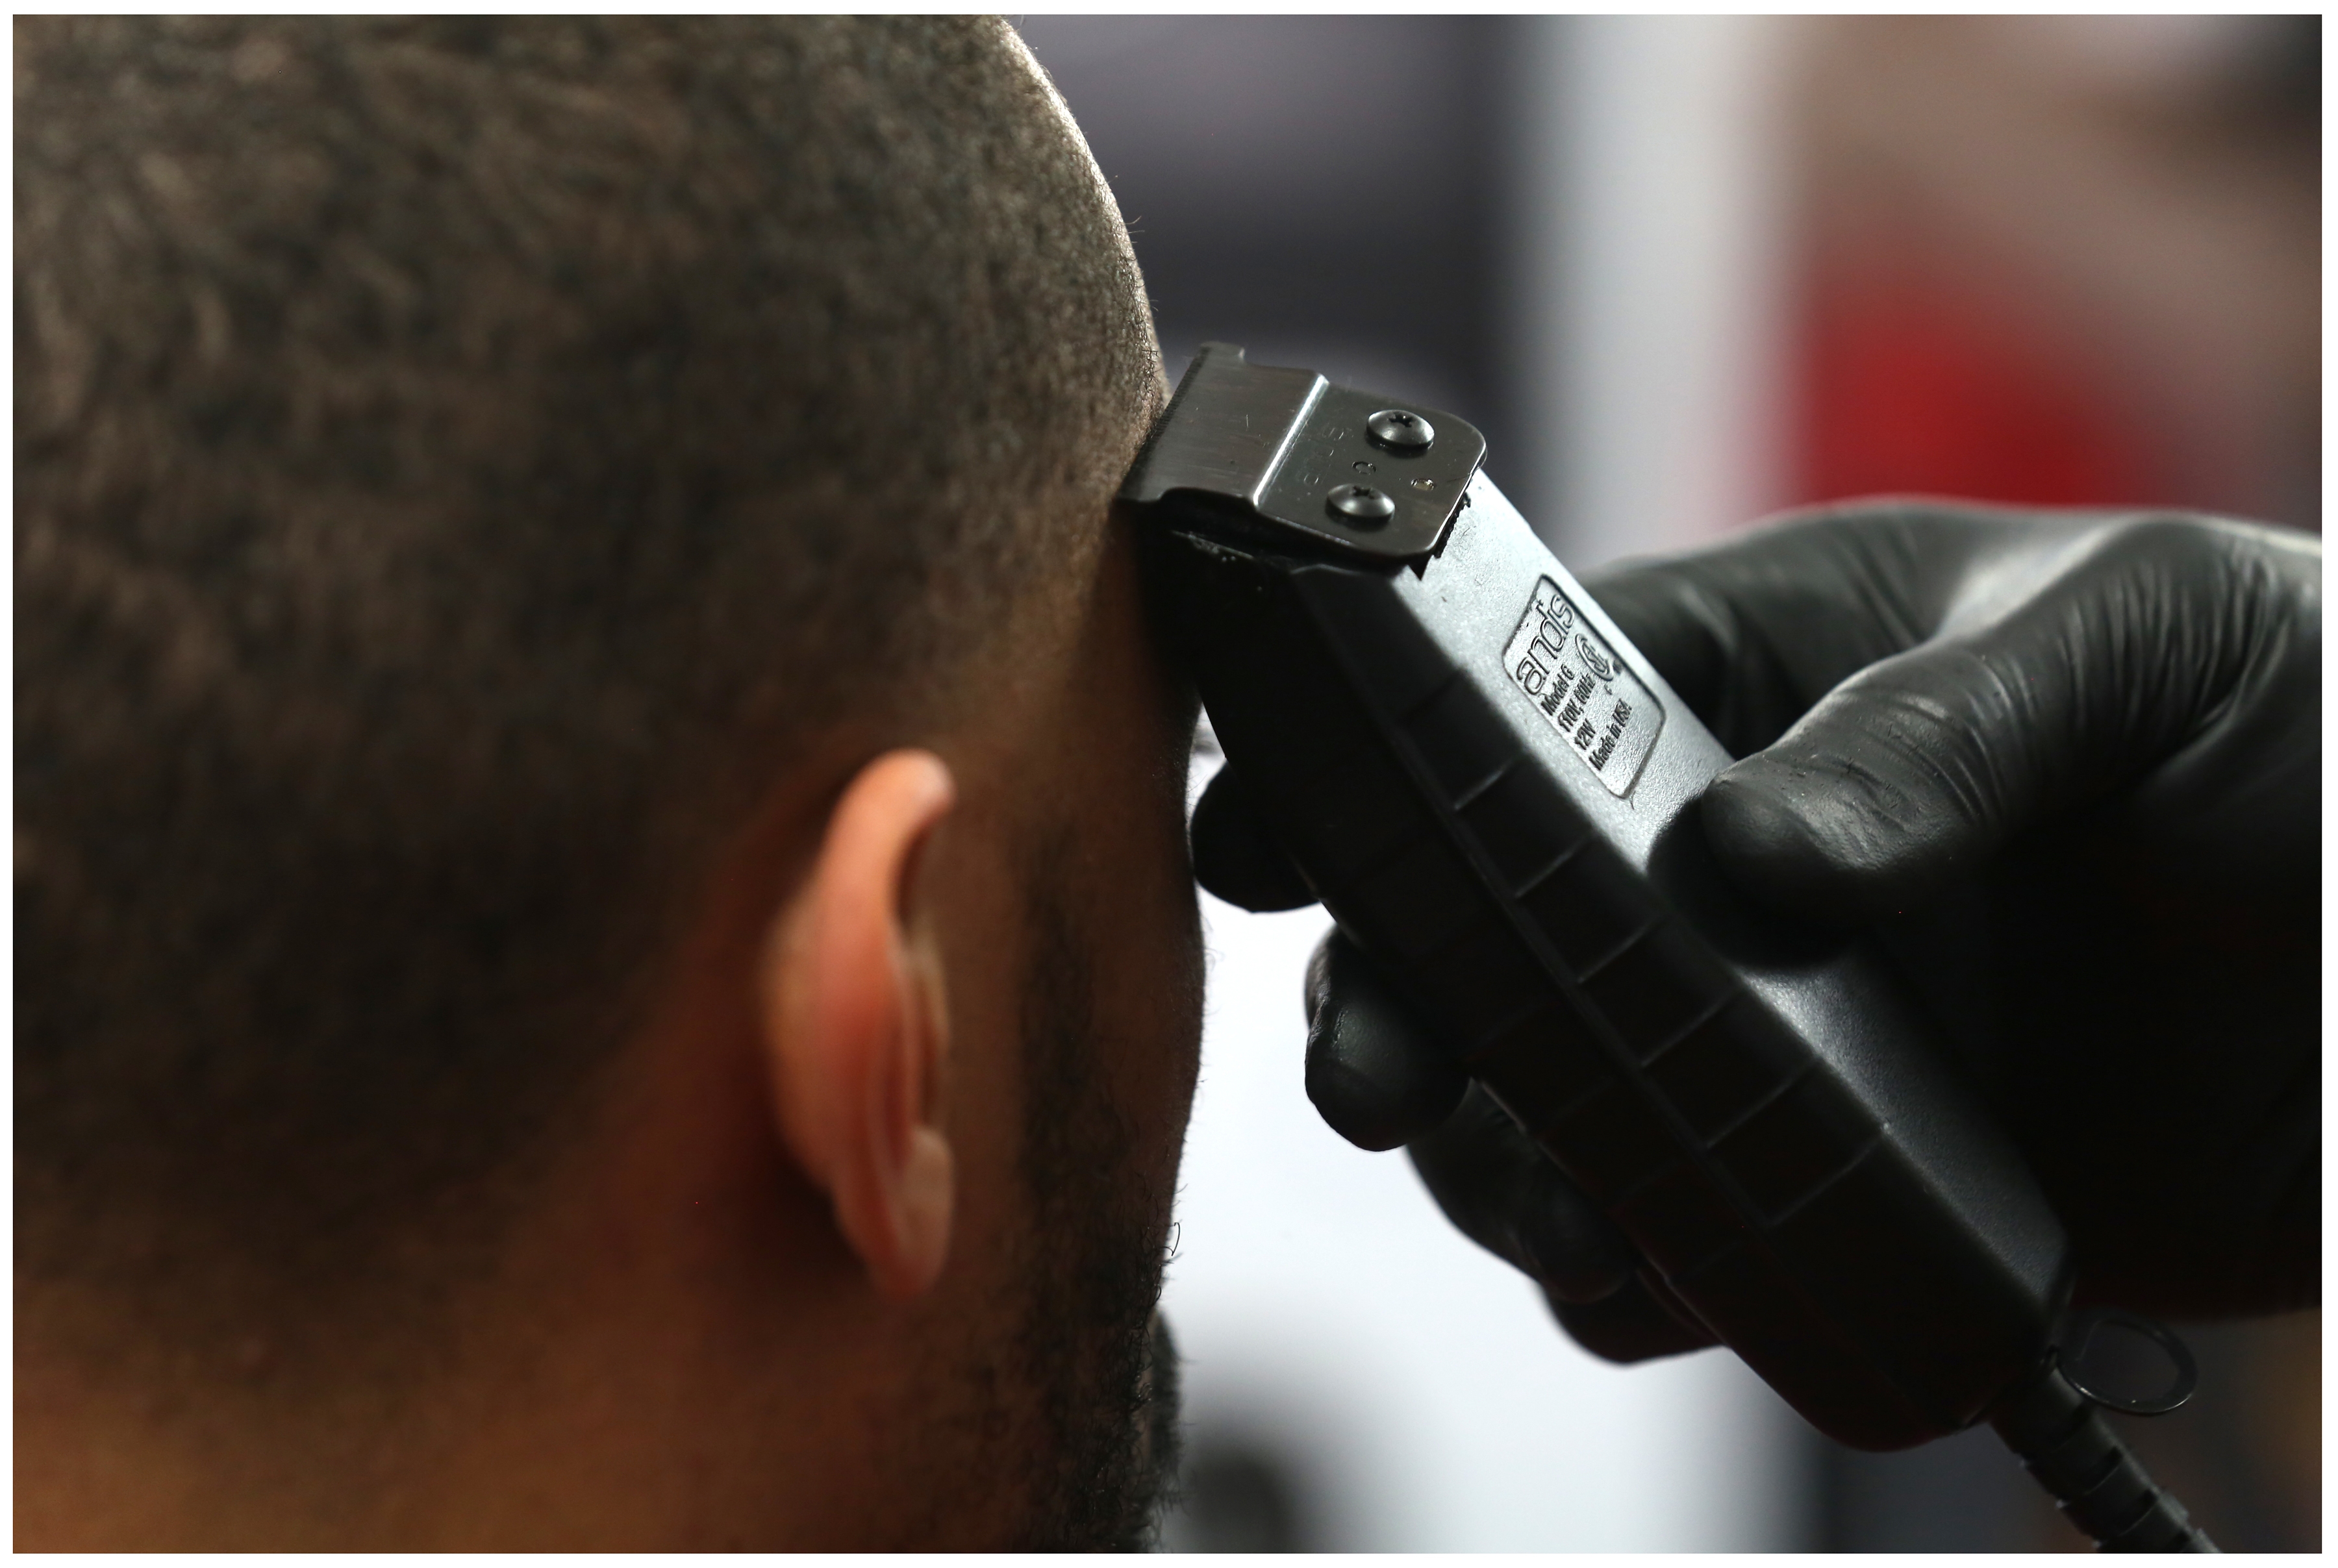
(855, 1025)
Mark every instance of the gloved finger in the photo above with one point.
(1375, 1075)
(1753, 631)
(1920, 767)
(1630, 1325)
(1503, 1192)
(1380, 1079)
(1236, 858)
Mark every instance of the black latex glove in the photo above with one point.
(2066, 766)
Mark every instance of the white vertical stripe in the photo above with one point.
(1648, 278)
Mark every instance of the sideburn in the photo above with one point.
(1105, 1410)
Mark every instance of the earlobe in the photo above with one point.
(855, 1026)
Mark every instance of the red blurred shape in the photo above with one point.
(1914, 385)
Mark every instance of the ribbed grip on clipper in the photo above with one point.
(2103, 1489)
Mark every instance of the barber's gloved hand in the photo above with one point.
(2066, 767)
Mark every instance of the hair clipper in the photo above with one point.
(1489, 789)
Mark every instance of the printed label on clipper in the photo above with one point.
(1585, 691)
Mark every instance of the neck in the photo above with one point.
(663, 1318)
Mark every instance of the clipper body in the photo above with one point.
(1490, 789)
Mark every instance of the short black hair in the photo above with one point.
(457, 462)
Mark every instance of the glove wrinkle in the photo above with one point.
(2127, 650)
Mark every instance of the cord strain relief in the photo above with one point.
(2103, 1489)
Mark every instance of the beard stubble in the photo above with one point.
(1090, 1348)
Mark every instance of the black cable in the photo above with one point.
(2103, 1489)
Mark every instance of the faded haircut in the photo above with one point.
(459, 464)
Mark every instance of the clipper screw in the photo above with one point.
(1401, 431)
(1359, 506)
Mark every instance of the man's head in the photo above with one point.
(598, 840)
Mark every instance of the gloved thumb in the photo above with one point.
(1918, 769)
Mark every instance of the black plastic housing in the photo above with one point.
(1751, 1102)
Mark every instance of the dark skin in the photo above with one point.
(761, 1301)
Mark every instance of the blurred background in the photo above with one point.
(1685, 271)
